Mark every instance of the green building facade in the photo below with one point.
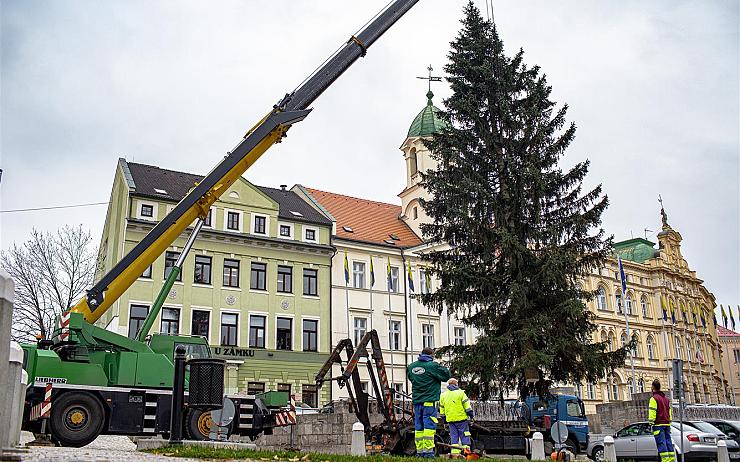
(256, 283)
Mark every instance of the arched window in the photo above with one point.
(638, 345)
(650, 347)
(412, 159)
(644, 305)
(623, 339)
(677, 342)
(689, 350)
(630, 388)
(618, 300)
(628, 303)
(613, 389)
(612, 341)
(641, 386)
(601, 299)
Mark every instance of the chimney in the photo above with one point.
(283, 186)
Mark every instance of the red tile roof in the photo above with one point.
(370, 221)
(722, 332)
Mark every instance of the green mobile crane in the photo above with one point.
(106, 383)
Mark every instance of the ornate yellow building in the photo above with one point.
(670, 315)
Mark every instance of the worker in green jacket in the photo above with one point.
(426, 377)
(455, 409)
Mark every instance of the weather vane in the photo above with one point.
(431, 78)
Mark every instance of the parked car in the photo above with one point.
(636, 442)
(733, 448)
(731, 428)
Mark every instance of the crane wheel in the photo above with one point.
(198, 424)
(77, 418)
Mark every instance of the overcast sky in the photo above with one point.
(652, 86)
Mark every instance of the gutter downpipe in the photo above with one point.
(409, 327)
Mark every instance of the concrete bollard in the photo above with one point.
(610, 452)
(722, 454)
(19, 410)
(15, 362)
(538, 446)
(7, 291)
(358, 439)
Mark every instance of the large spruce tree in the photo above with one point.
(516, 231)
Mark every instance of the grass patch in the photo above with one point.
(198, 452)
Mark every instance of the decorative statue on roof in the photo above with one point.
(663, 215)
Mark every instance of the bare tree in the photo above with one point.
(51, 273)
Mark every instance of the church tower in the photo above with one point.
(418, 159)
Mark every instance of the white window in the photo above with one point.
(260, 224)
(360, 329)
(285, 230)
(618, 300)
(208, 221)
(397, 387)
(358, 274)
(427, 335)
(394, 280)
(601, 299)
(233, 220)
(613, 390)
(394, 335)
(459, 335)
(641, 386)
(677, 342)
(310, 234)
(644, 305)
(650, 347)
(628, 303)
(147, 211)
(590, 390)
(689, 350)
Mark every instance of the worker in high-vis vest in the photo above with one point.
(426, 377)
(660, 415)
(455, 409)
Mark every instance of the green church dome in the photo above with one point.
(427, 121)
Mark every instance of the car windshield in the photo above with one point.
(734, 423)
(706, 427)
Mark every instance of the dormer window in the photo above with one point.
(389, 241)
(296, 214)
(348, 229)
(160, 191)
(394, 237)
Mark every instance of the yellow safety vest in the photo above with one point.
(453, 404)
